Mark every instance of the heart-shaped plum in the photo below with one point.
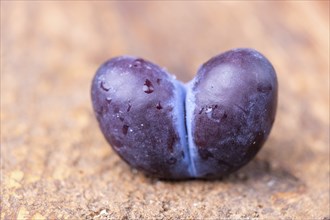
(207, 128)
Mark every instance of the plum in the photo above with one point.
(206, 129)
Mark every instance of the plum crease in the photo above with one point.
(189, 110)
(181, 93)
(185, 107)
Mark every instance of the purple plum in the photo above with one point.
(206, 129)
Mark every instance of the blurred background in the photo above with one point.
(53, 151)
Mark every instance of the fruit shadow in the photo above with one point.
(258, 173)
(263, 168)
(257, 168)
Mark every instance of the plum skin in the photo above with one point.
(208, 128)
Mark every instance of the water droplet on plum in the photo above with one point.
(148, 87)
(159, 106)
(125, 129)
(208, 109)
(105, 86)
(138, 63)
(172, 160)
(108, 99)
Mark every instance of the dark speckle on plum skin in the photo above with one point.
(129, 107)
(172, 161)
(235, 99)
(255, 147)
(159, 106)
(182, 154)
(264, 88)
(171, 142)
(204, 153)
(125, 129)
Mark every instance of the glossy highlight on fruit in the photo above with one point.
(206, 128)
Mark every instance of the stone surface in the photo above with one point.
(55, 162)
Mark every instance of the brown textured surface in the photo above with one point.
(54, 160)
